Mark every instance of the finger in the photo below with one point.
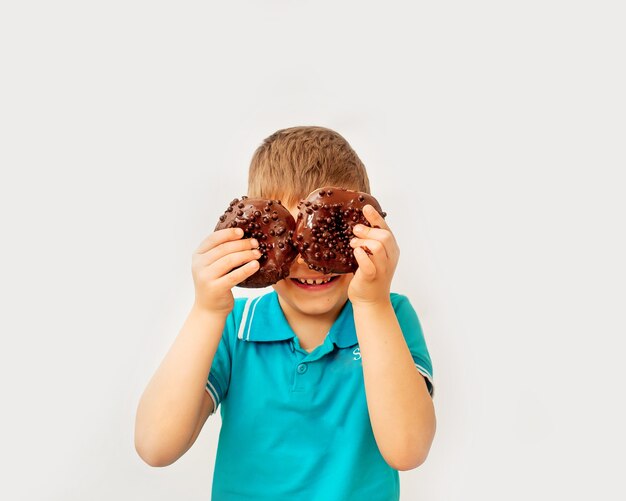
(374, 217)
(226, 263)
(218, 237)
(377, 248)
(374, 251)
(382, 235)
(366, 266)
(225, 248)
(238, 275)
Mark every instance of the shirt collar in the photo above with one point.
(263, 320)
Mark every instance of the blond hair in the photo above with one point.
(293, 162)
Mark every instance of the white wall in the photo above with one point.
(494, 137)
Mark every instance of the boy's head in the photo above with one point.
(290, 164)
(293, 162)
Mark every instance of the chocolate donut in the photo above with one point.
(273, 226)
(324, 228)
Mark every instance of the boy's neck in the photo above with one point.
(310, 329)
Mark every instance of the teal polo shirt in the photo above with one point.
(295, 425)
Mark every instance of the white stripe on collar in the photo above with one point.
(244, 316)
(256, 301)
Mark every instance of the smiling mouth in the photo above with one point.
(317, 281)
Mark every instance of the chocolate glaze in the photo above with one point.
(273, 227)
(324, 228)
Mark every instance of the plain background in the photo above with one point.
(494, 137)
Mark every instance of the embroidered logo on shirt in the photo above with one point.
(357, 353)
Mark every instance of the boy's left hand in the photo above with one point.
(372, 279)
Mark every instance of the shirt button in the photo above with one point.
(302, 368)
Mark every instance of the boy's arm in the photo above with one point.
(399, 404)
(174, 405)
(172, 409)
(400, 407)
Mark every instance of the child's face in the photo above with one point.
(327, 298)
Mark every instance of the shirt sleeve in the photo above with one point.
(414, 337)
(218, 379)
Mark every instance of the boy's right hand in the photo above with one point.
(212, 268)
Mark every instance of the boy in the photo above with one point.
(326, 390)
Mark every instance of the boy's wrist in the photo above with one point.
(380, 305)
(202, 311)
